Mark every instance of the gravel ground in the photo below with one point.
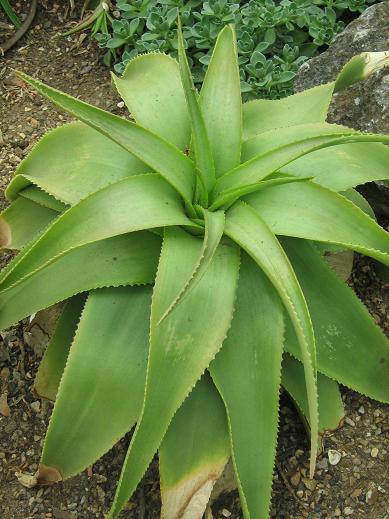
(358, 486)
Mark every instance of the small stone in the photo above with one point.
(361, 410)
(334, 456)
(356, 493)
(310, 484)
(348, 511)
(120, 104)
(337, 512)
(349, 421)
(226, 513)
(34, 123)
(374, 452)
(371, 497)
(36, 406)
(322, 464)
(295, 479)
(300, 493)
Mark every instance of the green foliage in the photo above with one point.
(189, 247)
(274, 37)
(13, 17)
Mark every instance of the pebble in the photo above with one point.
(349, 421)
(374, 452)
(334, 456)
(36, 406)
(348, 511)
(295, 479)
(226, 513)
(310, 484)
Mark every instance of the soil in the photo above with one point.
(358, 486)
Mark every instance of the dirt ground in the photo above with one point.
(357, 487)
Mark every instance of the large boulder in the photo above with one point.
(365, 105)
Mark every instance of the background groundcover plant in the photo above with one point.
(189, 247)
(273, 37)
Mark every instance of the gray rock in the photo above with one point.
(364, 106)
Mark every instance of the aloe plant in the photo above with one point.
(189, 247)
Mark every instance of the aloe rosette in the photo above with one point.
(189, 247)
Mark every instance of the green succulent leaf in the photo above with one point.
(22, 221)
(360, 67)
(345, 166)
(270, 151)
(193, 452)
(227, 198)
(331, 410)
(201, 145)
(307, 210)
(247, 373)
(247, 229)
(214, 227)
(152, 90)
(343, 326)
(53, 362)
(306, 107)
(221, 104)
(100, 371)
(72, 162)
(128, 259)
(132, 204)
(361, 202)
(43, 198)
(158, 154)
(181, 346)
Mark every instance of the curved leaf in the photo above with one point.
(22, 221)
(41, 197)
(247, 373)
(221, 104)
(193, 453)
(360, 67)
(307, 210)
(72, 161)
(270, 151)
(350, 347)
(152, 90)
(53, 362)
(201, 147)
(181, 347)
(132, 204)
(310, 106)
(227, 198)
(342, 167)
(331, 410)
(247, 229)
(159, 155)
(129, 259)
(101, 370)
(214, 227)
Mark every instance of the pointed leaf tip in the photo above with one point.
(361, 67)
